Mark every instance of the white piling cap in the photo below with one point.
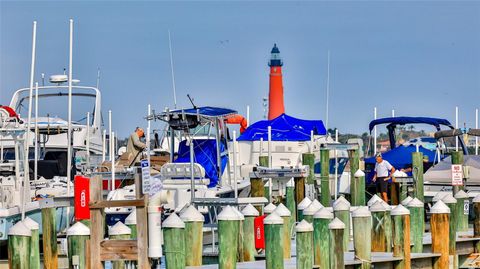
(406, 200)
(359, 173)
(303, 227)
(240, 215)
(341, 199)
(341, 204)
(191, 214)
(377, 207)
(131, 218)
(269, 208)
(273, 218)
(375, 198)
(461, 195)
(415, 203)
(78, 229)
(250, 211)
(440, 208)
(282, 211)
(31, 224)
(476, 199)
(400, 210)
(20, 229)
(312, 208)
(291, 183)
(228, 213)
(361, 211)
(449, 199)
(119, 229)
(439, 196)
(336, 224)
(304, 203)
(323, 213)
(173, 221)
(399, 173)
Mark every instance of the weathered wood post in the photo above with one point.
(119, 231)
(476, 222)
(263, 161)
(268, 209)
(241, 218)
(457, 158)
(290, 201)
(304, 245)
(301, 206)
(321, 241)
(19, 237)
(49, 236)
(273, 241)
(77, 239)
(228, 225)
(174, 242)
(388, 225)
(401, 236)
(463, 207)
(341, 210)
(337, 249)
(379, 238)
(417, 170)
(285, 214)
(362, 235)
(451, 202)
(309, 159)
(357, 179)
(249, 251)
(417, 224)
(311, 210)
(440, 234)
(131, 222)
(34, 242)
(193, 235)
(325, 176)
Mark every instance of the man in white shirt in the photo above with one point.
(383, 172)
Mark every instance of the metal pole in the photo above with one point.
(104, 146)
(171, 68)
(235, 163)
(248, 115)
(37, 139)
(110, 133)
(270, 182)
(88, 140)
(393, 113)
(336, 166)
(148, 134)
(69, 132)
(192, 175)
(112, 158)
(374, 132)
(476, 127)
(328, 89)
(456, 127)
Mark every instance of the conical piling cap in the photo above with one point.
(20, 229)
(269, 208)
(119, 229)
(131, 218)
(30, 223)
(291, 183)
(461, 195)
(282, 211)
(415, 203)
(191, 214)
(406, 200)
(377, 207)
(476, 199)
(449, 199)
(361, 211)
(375, 198)
(78, 229)
(228, 213)
(273, 218)
(341, 199)
(341, 204)
(304, 203)
(323, 213)
(440, 208)
(386, 205)
(400, 210)
(240, 215)
(173, 221)
(439, 196)
(312, 208)
(359, 173)
(250, 211)
(303, 227)
(336, 224)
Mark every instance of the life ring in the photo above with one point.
(9, 112)
(238, 119)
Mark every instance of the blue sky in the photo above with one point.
(419, 58)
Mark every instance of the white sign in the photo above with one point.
(145, 176)
(466, 206)
(457, 175)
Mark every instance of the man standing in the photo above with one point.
(383, 172)
(135, 146)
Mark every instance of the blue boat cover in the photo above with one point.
(205, 154)
(410, 120)
(207, 111)
(284, 128)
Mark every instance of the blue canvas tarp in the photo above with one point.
(205, 152)
(284, 128)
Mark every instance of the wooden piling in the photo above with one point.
(49, 236)
(341, 210)
(249, 251)
(304, 245)
(417, 170)
(19, 237)
(379, 238)
(462, 209)
(321, 242)
(34, 242)
(362, 238)
(388, 226)
(131, 222)
(417, 224)
(401, 236)
(451, 202)
(308, 212)
(119, 231)
(301, 206)
(325, 177)
(228, 224)
(476, 222)
(174, 242)
(241, 218)
(290, 201)
(193, 235)
(285, 214)
(273, 241)
(337, 249)
(357, 179)
(77, 239)
(439, 226)
(457, 158)
(309, 159)
(263, 161)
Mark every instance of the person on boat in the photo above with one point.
(383, 172)
(134, 146)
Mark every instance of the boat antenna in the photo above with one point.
(328, 88)
(173, 73)
(98, 77)
(191, 101)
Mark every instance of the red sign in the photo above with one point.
(82, 198)
(259, 232)
(457, 175)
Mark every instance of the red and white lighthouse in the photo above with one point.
(275, 96)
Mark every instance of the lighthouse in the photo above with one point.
(275, 96)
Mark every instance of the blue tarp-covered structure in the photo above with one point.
(284, 128)
(205, 152)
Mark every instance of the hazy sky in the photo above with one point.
(419, 58)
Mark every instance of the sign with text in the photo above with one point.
(145, 176)
(457, 175)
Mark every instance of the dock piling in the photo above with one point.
(451, 202)
(228, 225)
(49, 236)
(19, 237)
(341, 210)
(321, 242)
(462, 211)
(304, 245)
(417, 168)
(401, 236)
(417, 224)
(285, 214)
(357, 179)
(273, 241)
(119, 231)
(325, 176)
(34, 242)
(301, 206)
(193, 235)
(77, 238)
(249, 251)
(379, 237)
(337, 249)
(439, 225)
(131, 222)
(174, 234)
(362, 235)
